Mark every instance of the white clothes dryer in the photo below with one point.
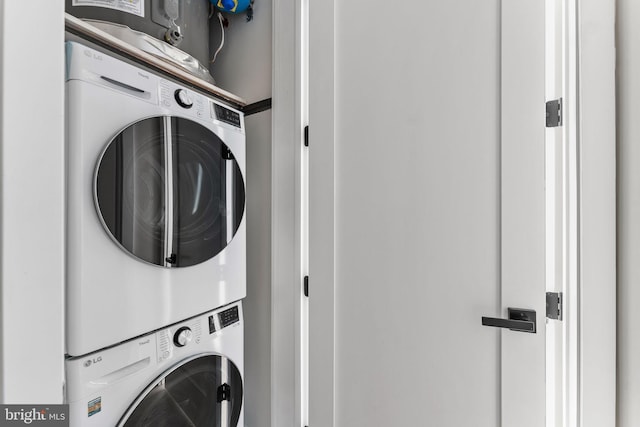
(155, 201)
(188, 374)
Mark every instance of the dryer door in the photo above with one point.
(205, 391)
(169, 192)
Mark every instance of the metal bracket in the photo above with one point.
(554, 305)
(164, 12)
(554, 113)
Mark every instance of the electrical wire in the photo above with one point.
(221, 19)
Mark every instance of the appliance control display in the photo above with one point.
(226, 115)
(229, 317)
(223, 319)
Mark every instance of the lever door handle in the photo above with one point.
(519, 320)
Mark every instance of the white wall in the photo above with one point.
(322, 262)
(628, 111)
(597, 270)
(31, 198)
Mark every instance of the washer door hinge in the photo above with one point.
(306, 286)
(554, 305)
(554, 113)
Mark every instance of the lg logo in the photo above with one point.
(90, 362)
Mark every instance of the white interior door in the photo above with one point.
(427, 212)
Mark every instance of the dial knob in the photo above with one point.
(183, 99)
(182, 336)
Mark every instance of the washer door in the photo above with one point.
(169, 192)
(202, 392)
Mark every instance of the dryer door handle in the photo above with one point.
(170, 256)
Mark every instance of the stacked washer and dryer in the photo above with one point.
(156, 249)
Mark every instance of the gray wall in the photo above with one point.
(257, 306)
(243, 67)
(628, 99)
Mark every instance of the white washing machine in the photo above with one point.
(155, 201)
(188, 374)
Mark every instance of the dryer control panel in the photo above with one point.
(226, 115)
(193, 104)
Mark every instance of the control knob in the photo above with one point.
(182, 336)
(183, 99)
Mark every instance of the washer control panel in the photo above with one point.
(176, 337)
(188, 335)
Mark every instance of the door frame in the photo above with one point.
(288, 267)
(590, 80)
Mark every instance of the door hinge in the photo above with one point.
(306, 136)
(306, 286)
(554, 113)
(554, 305)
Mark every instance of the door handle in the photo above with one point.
(519, 320)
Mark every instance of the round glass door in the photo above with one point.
(169, 192)
(203, 392)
